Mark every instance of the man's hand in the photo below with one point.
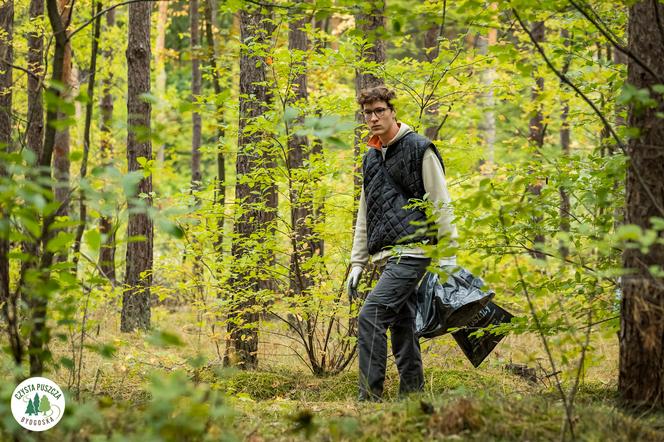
(353, 280)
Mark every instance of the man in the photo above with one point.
(399, 166)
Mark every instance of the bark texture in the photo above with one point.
(371, 23)
(106, 224)
(61, 147)
(536, 130)
(138, 276)
(35, 57)
(195, 93)
(8, 300)
(220, 188)
(301, 197)
(256, 195)
(641, 371)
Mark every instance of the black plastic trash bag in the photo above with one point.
(477, 348)
(450, 304)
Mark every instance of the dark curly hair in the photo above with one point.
(378, 93)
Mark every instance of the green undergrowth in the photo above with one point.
(212, 403)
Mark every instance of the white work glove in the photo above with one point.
(353, 281)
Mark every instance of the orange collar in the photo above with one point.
(375, 141)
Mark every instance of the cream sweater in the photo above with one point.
(436, 188)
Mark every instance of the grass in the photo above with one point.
(181, 392)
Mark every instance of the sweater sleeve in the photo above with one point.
(436, 186)
(359, 255)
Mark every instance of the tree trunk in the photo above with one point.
(641, 372)
(82, 206)
(488, 123)
(220, 188)
(536, 131)
(8, 300)
(138, 275)
(35, 58)
(565, 206)
(317, 153)
(159, 61)
(36, 298)
(298, 154)
(195, 94)
(61, 162)
(369, 24)
(256, 200)
(106, 223)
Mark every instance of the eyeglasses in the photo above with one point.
(378, 112)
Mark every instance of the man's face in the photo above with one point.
(378, 116)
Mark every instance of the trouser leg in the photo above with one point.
(372, 348)
(390, 303)
(406, 351)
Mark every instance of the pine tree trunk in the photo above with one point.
(565, 205)
(368, 24)
(159, 61)
(536, 130)
(8, 300)
(82, 206)
(106, 223)
(257, 199)
(641, 372)
(61, 148)
(36, 300)
(195, 94)
(488, 123)
(298, 154)
(138, 275)
(220, 188)
(35, 58)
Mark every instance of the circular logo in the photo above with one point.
(38, 404)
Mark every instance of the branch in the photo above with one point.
(104, 11)
(616, 44)
(606, 124)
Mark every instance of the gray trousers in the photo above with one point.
(391, 304)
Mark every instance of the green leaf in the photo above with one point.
(61, 242)
(93, 239)
(629, 232)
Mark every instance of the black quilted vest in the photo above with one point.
(388, 222)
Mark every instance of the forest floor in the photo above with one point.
(154, 388)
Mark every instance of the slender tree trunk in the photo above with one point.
(536, 129)
(298, 154)
(317, 153)
(565, 206)
(256, 200)
(369, 24)
(8, 301)
(196, 176)
(488, 123)
(138, 275)
(82, 207)
(36, 296)
(106, 224)
(35, 58)
(641, 371)
(220, 188)
(195, 94)
(159, 59)
(61, 148)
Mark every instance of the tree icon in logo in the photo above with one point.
(35, 403)
(31, 409)
(45, 405)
